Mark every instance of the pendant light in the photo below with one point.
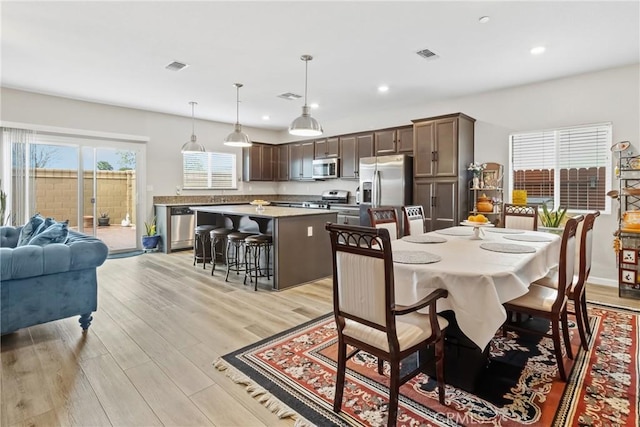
(237, 138)
(192, 146)
(305, 125)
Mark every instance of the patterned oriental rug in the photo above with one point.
(293, 374)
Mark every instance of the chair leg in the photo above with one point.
(565, 333)
(394, 390)
(213, 255)
(380, 366)
(581, 324)
(439, 348)
(226, 278)
(340, 373)
(555, 329)
(585, 313)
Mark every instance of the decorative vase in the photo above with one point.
(103, 221)
(484, 204)
(476, 182)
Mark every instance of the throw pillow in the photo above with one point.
(30, 229)
(56, 233)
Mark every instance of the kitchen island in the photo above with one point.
(301, 246)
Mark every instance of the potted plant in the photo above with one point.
(150, 240)
(104, 219)
(552, 221)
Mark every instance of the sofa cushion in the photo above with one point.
(9, 236)
(56, 233)
(30, 229)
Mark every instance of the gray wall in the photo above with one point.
(607, 96)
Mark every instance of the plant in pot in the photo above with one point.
(103, 220)
(552, 221)
(150, 240)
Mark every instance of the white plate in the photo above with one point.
(477, 224)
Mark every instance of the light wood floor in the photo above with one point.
(147, 358)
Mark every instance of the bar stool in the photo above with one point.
(218, 236)
(255, 247)
(200, 244)
(236, 252)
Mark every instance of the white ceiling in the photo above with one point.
(115, 52)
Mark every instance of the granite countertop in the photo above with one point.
(169, 205)
(268, 212)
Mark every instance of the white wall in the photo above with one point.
(606, 96)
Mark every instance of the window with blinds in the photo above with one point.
(566, 167)
(209, 170)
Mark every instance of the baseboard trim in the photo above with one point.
(602, 281)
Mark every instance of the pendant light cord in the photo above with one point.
(193, 120)
(237, 104)
(306, 70)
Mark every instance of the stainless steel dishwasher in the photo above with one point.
(183, 222)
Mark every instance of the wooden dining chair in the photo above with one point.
(385, 218)
(550, 304)
(367, 316)
(577, 293)
(413, 220)
(521, 217)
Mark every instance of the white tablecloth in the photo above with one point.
(478, 281)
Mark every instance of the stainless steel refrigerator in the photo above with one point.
(385, 181)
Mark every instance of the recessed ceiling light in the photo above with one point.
(314, 106)
(484, 19)
(383, 88)
(266, 117)
(538, 50)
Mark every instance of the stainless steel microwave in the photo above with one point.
(326, 168)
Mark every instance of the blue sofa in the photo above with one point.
(40, 284)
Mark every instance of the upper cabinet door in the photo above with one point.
(446, 133)
(349, 158)
(267, 162)
(295, 161)
(385, 142)
(365, 145)
(327, 148)
(435, 148)
(282, 170)
(424, 149)
(404, 140)
(307, 160)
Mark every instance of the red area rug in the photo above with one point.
(293, 373)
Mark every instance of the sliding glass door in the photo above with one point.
(92, 183)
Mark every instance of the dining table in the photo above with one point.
(480, 270)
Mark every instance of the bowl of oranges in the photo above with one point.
(478, 220)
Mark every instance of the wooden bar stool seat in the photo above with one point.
(255, 247)
(201, 243)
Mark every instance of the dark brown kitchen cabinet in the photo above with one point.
(281, 163)
(327, 148)
(258, 163)
(353, 148)
(440, 200)
(443, 146)
(393, 141)
(301, 160)
(442, 151)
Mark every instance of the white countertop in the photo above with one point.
(268, 212)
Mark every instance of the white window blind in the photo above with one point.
(209, 170)
(566, 167)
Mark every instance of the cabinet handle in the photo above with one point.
(434, 156)
(433, 201)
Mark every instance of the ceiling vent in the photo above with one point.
(176, 66)
(427, 54)
(289, 96)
